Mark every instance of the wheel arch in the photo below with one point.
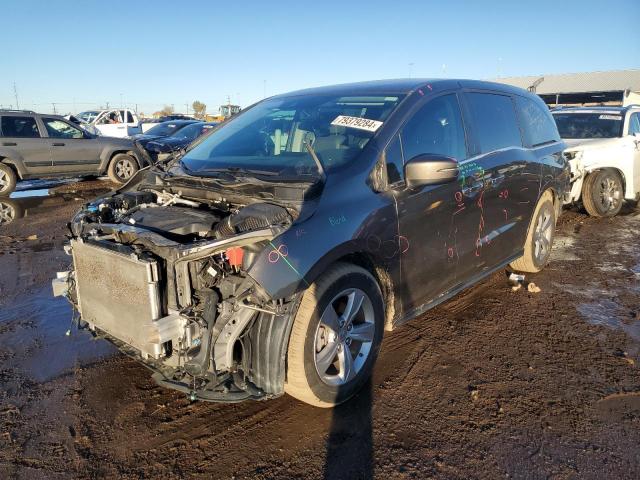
(112, 153)
(15, 165)
(609, 169)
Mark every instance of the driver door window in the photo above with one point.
(59, 129)
(437, 129)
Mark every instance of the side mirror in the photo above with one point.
(430, 169)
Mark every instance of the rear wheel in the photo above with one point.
(537, 247)
(8, 180)
(122, 168)
(602, 193)
(335, 337)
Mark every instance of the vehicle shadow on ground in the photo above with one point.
(349, 446)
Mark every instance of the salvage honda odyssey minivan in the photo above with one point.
(271, 256)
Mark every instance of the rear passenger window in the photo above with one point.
(494, 121)
(537, 124)
(21, 127)
(129, 117)
(436, 128)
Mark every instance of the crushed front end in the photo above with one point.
(162, 274)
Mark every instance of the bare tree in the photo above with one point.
(167, 110)
(199, 109)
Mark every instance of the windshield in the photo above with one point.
(275, 135)
(589, 125)
(190, 132)
(89, 116)
(165, 129)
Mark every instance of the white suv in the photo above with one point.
(604, 154)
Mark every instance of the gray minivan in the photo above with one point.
(36, 145)
(272, 255)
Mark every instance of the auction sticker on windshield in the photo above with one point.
(609, 117)
(357, 122)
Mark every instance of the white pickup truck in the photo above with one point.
(603, 148)
(113, 123)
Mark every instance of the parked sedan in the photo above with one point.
(36, 145)
(271, 257)
(161, 130)
(162, 148)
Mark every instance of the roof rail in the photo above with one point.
(16, 111)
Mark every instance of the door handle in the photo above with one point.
(58, 144)
(9, 144)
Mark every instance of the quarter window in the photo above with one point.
(494, 121)
(634, 124)
(19, 127)
(537, 123)
(393, 161)
(59, 129)
(437, 129)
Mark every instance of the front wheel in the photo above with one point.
(537, 247)
(122, 168)
(8, 180)
(602, 194)
(336, 337)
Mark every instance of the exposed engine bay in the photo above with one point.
(163, 275)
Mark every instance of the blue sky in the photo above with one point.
(83, 54)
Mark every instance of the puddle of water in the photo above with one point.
(33, 340)
(44, 184)
(44, 192)
(608, 313)
(563, 250)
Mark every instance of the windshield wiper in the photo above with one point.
(313, 154)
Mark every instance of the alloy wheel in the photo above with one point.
(543, 234)
(609, 194)
(344, 337)
(124, 169)
(7, 213)
(4, 181)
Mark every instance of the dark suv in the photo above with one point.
(273, 254)
(35, 145)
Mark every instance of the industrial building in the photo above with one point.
(617, 87)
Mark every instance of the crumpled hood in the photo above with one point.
(585, 144)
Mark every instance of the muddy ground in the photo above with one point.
(493, 384)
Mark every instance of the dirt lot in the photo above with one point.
(492, 384)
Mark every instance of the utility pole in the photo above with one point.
(15, 93)
(187, 105)
(54, 108)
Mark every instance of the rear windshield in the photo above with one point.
(165, 129)
(589, 125)
(89, 116)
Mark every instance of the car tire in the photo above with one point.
(122, 167)
(540, 235)
(8, 180)
(10, 210)
(332, 348)
(602, 193)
